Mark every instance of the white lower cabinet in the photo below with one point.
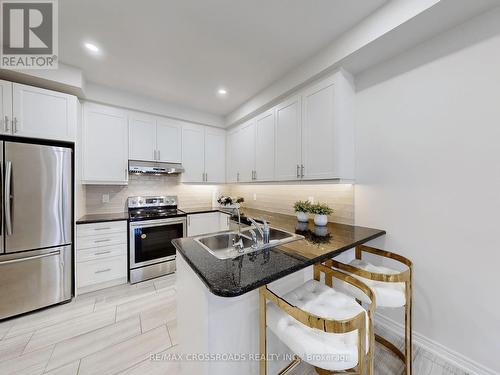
(101, 255)
(211, 222)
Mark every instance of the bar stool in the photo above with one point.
(393, 289)
(323, 327)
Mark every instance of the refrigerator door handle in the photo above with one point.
(8, 208)
(52, 253)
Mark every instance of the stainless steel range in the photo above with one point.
(154, 223)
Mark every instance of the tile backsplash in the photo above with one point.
(190, 195)
(271, 197)
(280, 198)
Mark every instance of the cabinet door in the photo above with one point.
(142, 137)
(5, 107)
(246, 151)
(264, 146)
(288, 140)
(232, 155)
(193, 153)
(215, 155)
(169, 140)
(40, 113)
(105, 145)
(318, 142)
(199, 224)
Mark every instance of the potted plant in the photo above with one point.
(302, 208)
(230, 202)
(321, 212)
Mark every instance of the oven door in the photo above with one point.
(151, 241)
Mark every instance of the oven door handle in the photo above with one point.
(151, 224)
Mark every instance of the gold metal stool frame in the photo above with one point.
(365, 358)
(402, 277)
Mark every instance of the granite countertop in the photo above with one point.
(202, 210)
(234, 277)
(102, 218)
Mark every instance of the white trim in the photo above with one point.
(441, 351)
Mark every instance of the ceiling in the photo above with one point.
(182, 51)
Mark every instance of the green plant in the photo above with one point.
(320, 209)
(302, 206)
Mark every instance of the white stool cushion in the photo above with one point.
(386, 294)
(329, 351)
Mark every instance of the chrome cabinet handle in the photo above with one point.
(8, 197)
(106, 228)
(302, 170)
(100, 241)
(52, 253)
(255, 175)
(102, 252)
(101, 271)
(6, 124)
(238, 176)
(298, 171)
(14, 125)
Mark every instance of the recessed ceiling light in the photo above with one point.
(222, 91)
(91, 47)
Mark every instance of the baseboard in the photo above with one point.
(446, 354)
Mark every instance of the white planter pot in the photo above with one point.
(320, 220)
(303, 217)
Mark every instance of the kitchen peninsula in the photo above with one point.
(217, 299)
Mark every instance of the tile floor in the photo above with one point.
(114, 331)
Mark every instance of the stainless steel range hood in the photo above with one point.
(155, 168)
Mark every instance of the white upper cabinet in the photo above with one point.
(246, 149)
(105, 145)
(215, 155)
(5, 107)
(40, 113)
(232, 155)
(154, 138)
(318, 132)
(193, 153)
(288, 140)
(264, 146)
(168, 140)
(142, 137)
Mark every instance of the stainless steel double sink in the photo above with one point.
(221, 245)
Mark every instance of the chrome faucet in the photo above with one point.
(264, 231)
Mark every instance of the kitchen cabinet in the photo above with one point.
(105, 145)
(288, 140)
(265, 146)
(309, 136)
(101, 255)
(203, 154)
(169, 140)
(27, 111)
(142, 137)
(45, 114)
(5, 107)
(193, 153)
(215, 155)
(211, 222)
(153, 138)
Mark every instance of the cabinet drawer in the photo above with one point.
(84, 230)
(101, 240)
(101, 270)
(84, 255)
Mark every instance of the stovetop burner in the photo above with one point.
(151, 208)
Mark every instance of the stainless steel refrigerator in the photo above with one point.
(35, 226)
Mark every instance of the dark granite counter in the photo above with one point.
(202, 210)
(102, 218)
(234, 277)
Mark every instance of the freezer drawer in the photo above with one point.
(34, 279)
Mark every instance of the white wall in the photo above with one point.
(428, 171)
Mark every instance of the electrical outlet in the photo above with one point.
(254, 196)
(105, 198)
(311, 199)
